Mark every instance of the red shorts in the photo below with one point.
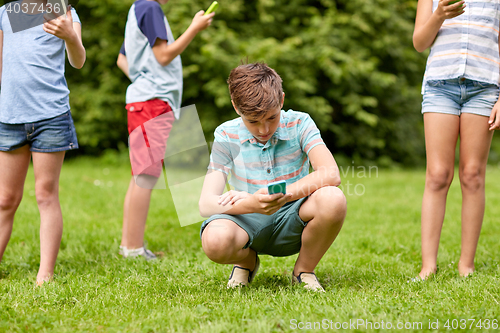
(149, 125)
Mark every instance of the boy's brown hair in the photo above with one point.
(255, 89)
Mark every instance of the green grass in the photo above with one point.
(365, 272)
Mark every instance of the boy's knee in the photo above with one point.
(330, 202)
(146, 181)
(218, 242)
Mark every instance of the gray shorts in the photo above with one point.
(279, 235)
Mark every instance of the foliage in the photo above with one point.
(349, 63)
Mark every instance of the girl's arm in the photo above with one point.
(75, 48)
(122, 63)
(69, 31)
(428, 23)
(494, 121)
(1, 55)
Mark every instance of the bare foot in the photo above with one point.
(40, 281)
(426, 272)
(464, 270)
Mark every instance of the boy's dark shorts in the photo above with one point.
(278, 235)
(44, 136)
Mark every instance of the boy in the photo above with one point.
(151, 59)
(264, 145)
(35, 116)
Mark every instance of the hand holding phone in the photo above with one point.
(277, 187)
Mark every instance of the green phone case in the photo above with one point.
(213, 7)
(277, 187)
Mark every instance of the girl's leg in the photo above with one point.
(47, 168)
(475, 140)
(14, 166)
(441, 134)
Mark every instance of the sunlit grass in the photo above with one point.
(365, 273)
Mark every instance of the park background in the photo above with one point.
(349, 63)
(352, 66)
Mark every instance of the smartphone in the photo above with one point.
(277, 187)
(57, 7)
(213, 7)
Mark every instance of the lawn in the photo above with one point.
(365, 272)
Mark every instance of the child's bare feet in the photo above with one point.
(426, 272)
(465, 270)
(40, 280)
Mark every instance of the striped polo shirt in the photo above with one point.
(252, 165)
(467, 45)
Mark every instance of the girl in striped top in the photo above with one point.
(460, 98)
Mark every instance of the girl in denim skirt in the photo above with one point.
(460, 99)
(35, 118)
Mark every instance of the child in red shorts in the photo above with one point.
(150, 57)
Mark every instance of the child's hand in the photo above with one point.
(231, 197)
(447, 11)
(201, 22)
(60, 26)
(266, 204)
(494, 121)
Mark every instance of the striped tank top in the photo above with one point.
(467, 45)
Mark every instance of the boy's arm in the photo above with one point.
(63, 27)
(259, 202)
(326, 173)
(428, 23)
(165, 53)
(122, 63)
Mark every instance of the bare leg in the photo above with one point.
(223, 242)
(14, 166)
(47, 167)
(475, 140)
(138, 207)
(325, 210)
(441, 135)
(126, 207)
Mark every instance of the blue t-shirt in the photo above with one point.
(33, 85)
(145, 24)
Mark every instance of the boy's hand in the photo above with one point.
(231, 197)
(201, 22)
(60, 26)
(266, 204)
(494, 121)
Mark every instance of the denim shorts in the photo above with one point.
(278, 235)
(44, 136)
(457, 96)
